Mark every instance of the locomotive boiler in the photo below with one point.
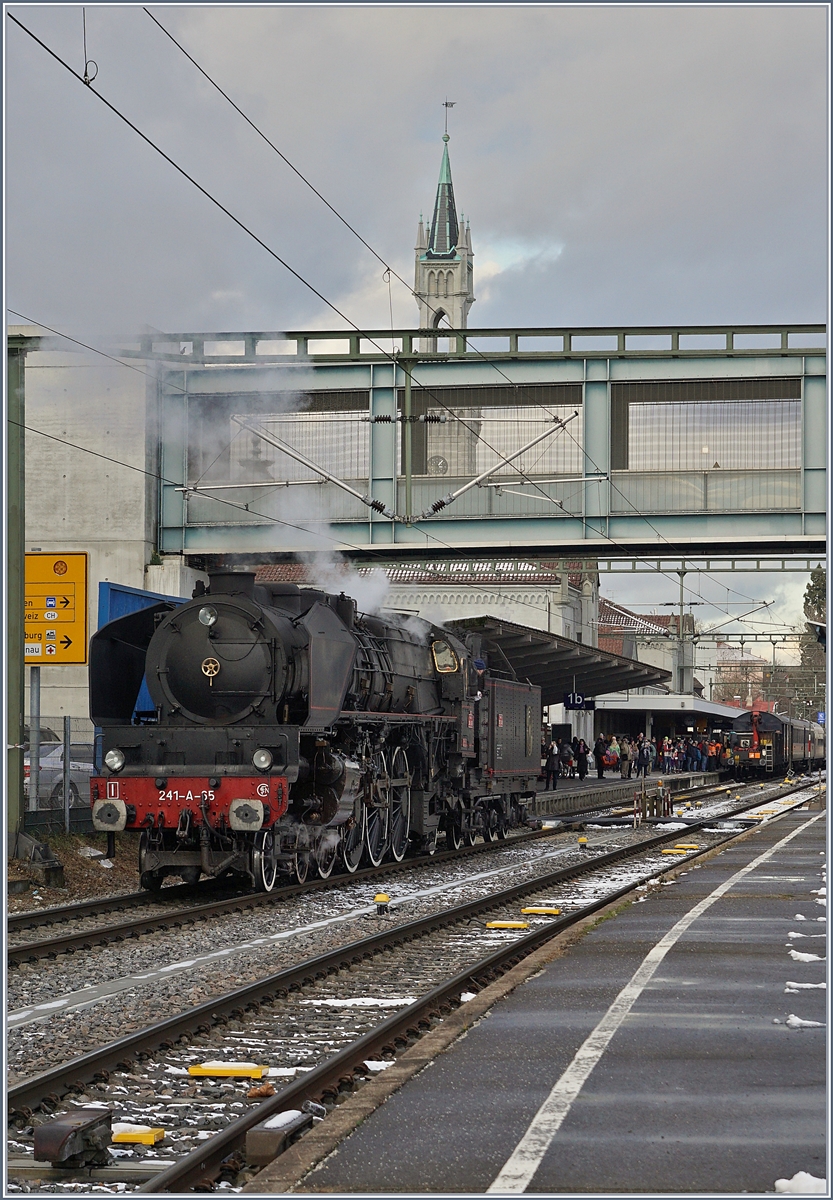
(289, 733)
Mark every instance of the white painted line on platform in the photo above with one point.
(520, 1168)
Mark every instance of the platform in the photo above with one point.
(575, 795)
(701, 1086)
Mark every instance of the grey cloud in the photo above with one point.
(677, 154)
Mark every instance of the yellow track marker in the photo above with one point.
(686, 846)
(507, 924)
(229, 1070)
(673, 852)
(542, 912)
(136, 1135)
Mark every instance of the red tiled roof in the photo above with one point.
(613, 618)
(455, 574)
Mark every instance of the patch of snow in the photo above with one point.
(285, 1072)
(90, 852)
(363, 1002)
(237, 1066)
(790, 984)
(801, 1182)
(795, 1022)
(126, 1127)
(378, 1064)
(105, 862)
(800, 957)
(799, 917)
(282, 1118)
(465, 996)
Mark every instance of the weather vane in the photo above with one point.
(447, 104)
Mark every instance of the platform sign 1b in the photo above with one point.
(55, 611)
(577, 700)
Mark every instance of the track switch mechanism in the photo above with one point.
(78, 1138)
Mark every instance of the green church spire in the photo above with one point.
(445, 232)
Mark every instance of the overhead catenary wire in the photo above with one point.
(241, 224)
(391, 271)
(323, 298)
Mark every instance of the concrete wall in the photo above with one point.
(81, 501)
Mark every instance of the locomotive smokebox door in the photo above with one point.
(78, 1138)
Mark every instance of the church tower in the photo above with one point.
(444, 270)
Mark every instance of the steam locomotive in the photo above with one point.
(290, 733)
(763, 742)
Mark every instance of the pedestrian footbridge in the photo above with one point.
(607, 441)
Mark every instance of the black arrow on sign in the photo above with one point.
(66, 642)
(64, 602)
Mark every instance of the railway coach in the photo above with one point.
(770, 742)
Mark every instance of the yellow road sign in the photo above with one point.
(55, 613)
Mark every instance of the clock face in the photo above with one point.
(437, 465)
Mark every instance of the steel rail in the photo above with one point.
(86, 939)
(339, 1073)
(37, 918)
(77, 1072)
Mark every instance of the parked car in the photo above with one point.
(51, 786)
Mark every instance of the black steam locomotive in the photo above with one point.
(291, 733)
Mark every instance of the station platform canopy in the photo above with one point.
(674, 703)
(557, 664)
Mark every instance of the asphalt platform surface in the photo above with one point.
(703, 1087)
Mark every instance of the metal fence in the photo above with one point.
(58, 758)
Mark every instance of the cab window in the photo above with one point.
(445, 660)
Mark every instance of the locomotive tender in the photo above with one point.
(291, 732)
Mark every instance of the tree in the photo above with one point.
(812, 653)
(815, 596)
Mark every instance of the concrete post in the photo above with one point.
(67, 773)
(34, 737)
(15, 582)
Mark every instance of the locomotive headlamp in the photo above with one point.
(208, 615)
(114, 759)
(262, 759)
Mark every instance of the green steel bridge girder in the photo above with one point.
(602, 519)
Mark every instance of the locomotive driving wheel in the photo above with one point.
(301, 857)
(264, 866)
(377, 810)
(351, 845)
(325, 854)
(454, 828)
(400, 804)
(491, 820)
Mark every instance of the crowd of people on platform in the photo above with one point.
(632, 757)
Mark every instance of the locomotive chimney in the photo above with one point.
(231, 583)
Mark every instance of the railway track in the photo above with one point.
(175, 893)
(266, 1015)
(172, 918)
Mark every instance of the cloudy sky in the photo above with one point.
(619, 165)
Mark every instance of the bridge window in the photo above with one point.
(703, 436)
